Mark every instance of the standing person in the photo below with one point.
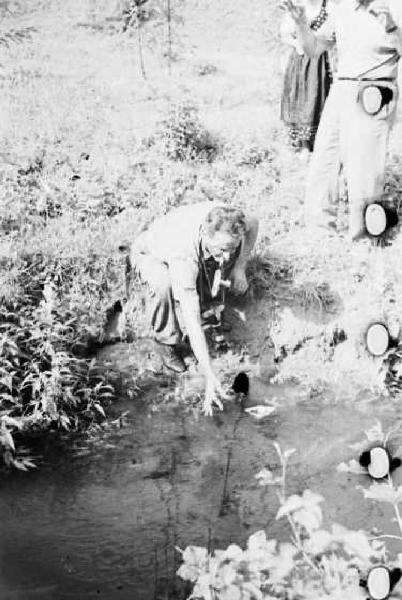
(307, 81)
(360, 110)
(183, 257)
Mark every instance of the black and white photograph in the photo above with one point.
(200, 300)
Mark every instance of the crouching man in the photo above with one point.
(188, 259)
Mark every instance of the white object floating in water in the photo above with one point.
(376, 219)
(261, 411)
(379, 583)
(379, 463)
(377, 339)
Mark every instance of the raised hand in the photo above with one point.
(296, 11)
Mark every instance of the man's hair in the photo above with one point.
(226, 219)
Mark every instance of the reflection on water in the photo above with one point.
(102, 521)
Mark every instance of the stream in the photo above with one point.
(101, 519)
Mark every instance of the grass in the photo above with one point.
(92, 152)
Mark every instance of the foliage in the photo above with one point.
(185, 137)
(148, 19)
(204, 69)
(44, 382)
(136, 12)
(143, 11)
(16, 36)
(318, 564)
(14, 8)
(394, 184)
(331, 350)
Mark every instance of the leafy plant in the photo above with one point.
(135, 13)
(185, 137)
(16, 36)
(157, 14)
(44, 383)
(317, 564)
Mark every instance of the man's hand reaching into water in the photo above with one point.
(213, 393)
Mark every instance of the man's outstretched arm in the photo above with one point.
(191, 314)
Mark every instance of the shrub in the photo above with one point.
(204, 69)
(50, 300)
(184, 136)
(136, 12)
(16, 36)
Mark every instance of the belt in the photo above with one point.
(366, 79)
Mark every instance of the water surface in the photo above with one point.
(101, 519)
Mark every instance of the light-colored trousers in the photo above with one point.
(349, 137)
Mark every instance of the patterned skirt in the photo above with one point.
(305, 89)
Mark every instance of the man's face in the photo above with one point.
(222, 245)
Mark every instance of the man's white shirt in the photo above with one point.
(365, 36)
